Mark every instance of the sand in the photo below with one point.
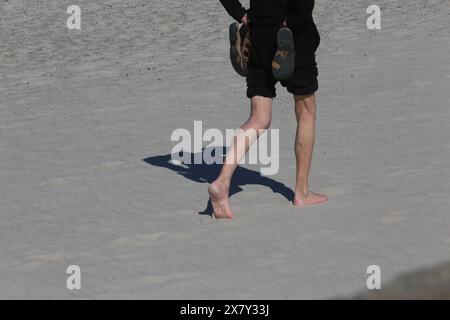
(85, 123)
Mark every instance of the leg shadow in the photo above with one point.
(205, 173)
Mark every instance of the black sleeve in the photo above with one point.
(234, 9)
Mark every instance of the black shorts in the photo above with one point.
(260, 81)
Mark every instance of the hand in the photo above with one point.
(245, 20)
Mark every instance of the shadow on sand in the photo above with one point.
(204, 173)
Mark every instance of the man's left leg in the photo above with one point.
(305, 111)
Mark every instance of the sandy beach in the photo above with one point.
(86, 118)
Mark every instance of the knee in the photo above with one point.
(305, 110)
(308, 113)
(265, 123)
(300, 142)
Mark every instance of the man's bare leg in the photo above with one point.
(259, 120)
(305, 111)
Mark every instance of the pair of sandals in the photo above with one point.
(283, 64)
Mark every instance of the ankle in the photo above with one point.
(301, 192)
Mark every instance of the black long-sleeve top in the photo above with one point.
(295, 12)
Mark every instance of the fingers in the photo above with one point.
(245, 19)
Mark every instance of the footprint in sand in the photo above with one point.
(59, 181)
(149, 239)
(138, 240)
(42, 260)
(110, 164)
(395, 216)
(165, 279)
(333, 191)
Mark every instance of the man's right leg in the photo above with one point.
(259, 120)
(305, 110)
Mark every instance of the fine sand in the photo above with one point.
(86, 118)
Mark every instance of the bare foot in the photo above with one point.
(218, 192)
(308, 199)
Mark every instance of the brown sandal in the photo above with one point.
(240, 46)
